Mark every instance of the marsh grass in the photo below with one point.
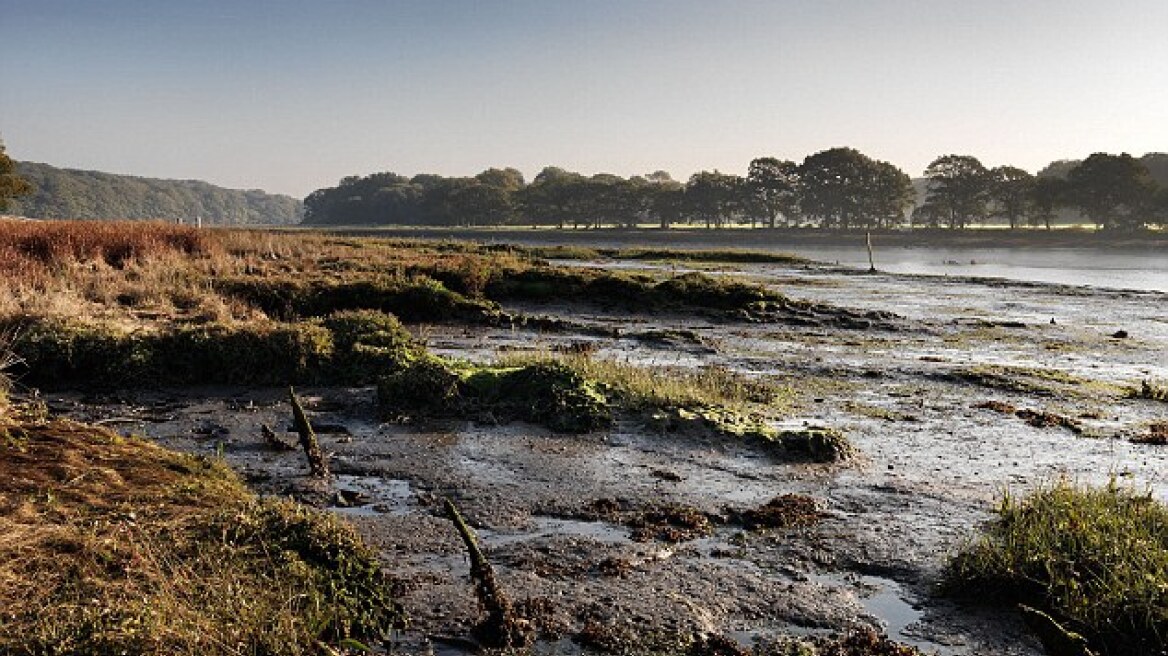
(641, 387)
(114, 545)
(547, 393)
(351, 347)
(1037, 381)
(1095, 558)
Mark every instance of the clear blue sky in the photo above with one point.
(291, 95)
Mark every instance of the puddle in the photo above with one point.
(378, 496)
(884, 600)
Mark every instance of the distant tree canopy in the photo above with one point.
(834, 188)
(11, 185)
(71, 194)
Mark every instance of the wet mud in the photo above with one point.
(628, 537)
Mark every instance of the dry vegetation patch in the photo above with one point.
(114, 545)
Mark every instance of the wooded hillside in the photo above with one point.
(73, 194)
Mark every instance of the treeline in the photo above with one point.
(72, 194)
(835, 188)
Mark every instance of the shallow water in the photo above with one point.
(1093, 267)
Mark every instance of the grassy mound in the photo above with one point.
(111, 545)
(345, 347)
(576, 393)
(414, 299)
(550, 394)
(1094, 559)
(690, 291)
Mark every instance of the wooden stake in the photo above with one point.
(500, 628)
(316, 460)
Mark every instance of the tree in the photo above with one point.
(665, 198)
(1011, 192)
(479, 204)
(1160, 207)
(11, 185)
(958, 190)
(843, 188)
(714, 198)
(551, 198)
(890, 194)
(1047, 195)
(775, 186)
(1113, 190)
(509, 179)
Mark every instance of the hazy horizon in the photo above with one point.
(291, 96)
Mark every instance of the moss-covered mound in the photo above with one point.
(346, 347)
(111, 545)
(810, 444)
(413, 299)
(690, 291)
(550, 394)
(1094, 559)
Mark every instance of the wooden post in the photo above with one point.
(500, 629)
(871, 261)
(316, 459)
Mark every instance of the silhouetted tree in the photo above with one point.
(1047, 195)
(958, 190)
(1114, 191)
(775, 186)
(1011, 192)
(714, 198)
(11, 184)
(843, 188)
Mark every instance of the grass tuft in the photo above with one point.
(1149, 390)
(1094, 558)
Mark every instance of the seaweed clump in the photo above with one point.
(1157, 434)
(783, 511)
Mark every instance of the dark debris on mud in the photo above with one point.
(1036, 418)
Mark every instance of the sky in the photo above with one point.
(292, 95)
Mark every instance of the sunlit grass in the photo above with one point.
(642, 387)
(112, 545)
(1095, 558)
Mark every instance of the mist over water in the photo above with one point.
(1110, 269)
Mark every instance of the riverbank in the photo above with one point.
(773, 239)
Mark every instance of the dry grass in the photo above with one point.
(113, 545)
(139, 271)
